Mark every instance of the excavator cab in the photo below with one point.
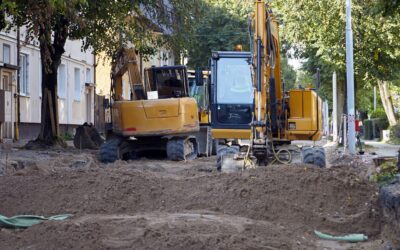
(167, 81)
(232, 95)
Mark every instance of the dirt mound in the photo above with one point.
(390, 203)
(44, 162)
(203, 230)
(283, 205)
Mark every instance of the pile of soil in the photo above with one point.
(159, 204)
(389, 198)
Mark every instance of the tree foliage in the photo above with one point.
(106, 25)
(101, 25)
(289, 75)
(317, 30)
(221, 25)
(388, 7)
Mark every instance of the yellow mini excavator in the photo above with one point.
(158, 115)
(248, 102)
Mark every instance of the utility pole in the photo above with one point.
(350, 81)
(374, 98)
(326, 117)
(18, 122)
(334, 104)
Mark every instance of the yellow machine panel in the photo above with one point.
(155, 117)
(305, 121)
(204, 117)
(231, 133)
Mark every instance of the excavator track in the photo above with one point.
(314, 156)
(109, 151)
(116, 149)
(181, 149)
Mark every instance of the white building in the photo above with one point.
(75, 86)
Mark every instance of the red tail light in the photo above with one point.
(130, 129)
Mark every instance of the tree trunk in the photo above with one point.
(341, 107)
(52, 41)
(49, 130)
(387, 102)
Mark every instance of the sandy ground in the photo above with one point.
(157, 204)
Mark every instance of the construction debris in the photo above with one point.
(25, 221)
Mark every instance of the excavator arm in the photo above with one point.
(278, 118)
(267, 80)
(126, 62)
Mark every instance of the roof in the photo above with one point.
(232, 53)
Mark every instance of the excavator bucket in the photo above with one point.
(231, 160)
(87, 137)
(231, 164)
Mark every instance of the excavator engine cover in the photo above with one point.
(155, 117)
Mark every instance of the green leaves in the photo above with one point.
(320, 27)
(221, 25)
(106, 25)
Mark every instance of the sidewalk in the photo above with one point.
(381, 148)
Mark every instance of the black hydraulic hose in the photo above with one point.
(259, 62)
(272, 96)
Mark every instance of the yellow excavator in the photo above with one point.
(251, 114)
(199, 84)
(157, 115)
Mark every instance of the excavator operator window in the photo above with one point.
(170, 83)
(234, 91)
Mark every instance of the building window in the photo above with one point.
(62, 80)
(77, 76)
(6, 53)
(88, 76)
(23, 74)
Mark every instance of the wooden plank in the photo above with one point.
(51, 110)
(99, 118)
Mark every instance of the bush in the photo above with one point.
(385, 173)
(373, 128)
(395, 134)
(67, 136)
(380, 124)
(378, 113)
(368, 130)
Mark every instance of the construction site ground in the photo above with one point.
(153, 203)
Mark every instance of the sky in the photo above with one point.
(295, 63)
